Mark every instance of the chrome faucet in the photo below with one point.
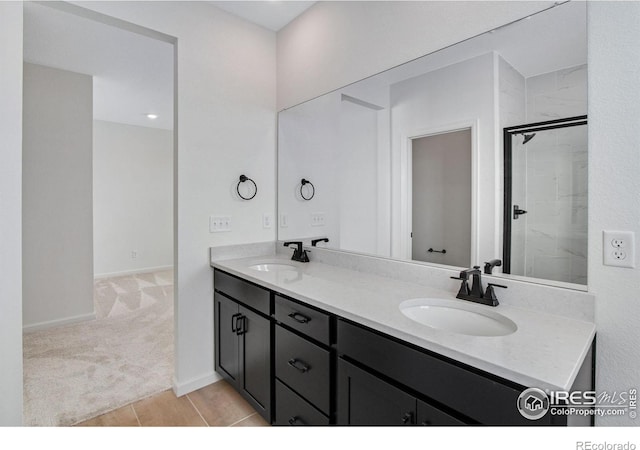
(477, 293)
(299, 254)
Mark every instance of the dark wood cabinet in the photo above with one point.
(299, 365)
(364, 399)
(303, 363)
(243, 351)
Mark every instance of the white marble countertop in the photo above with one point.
(546, 351)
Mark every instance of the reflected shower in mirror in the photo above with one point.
(408, 163)
(545, 214)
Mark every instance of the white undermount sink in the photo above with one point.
(272, 267)
(457, 317)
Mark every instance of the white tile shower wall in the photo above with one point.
(556, 95)
(552, 300)
(556, 174)
(512, 100)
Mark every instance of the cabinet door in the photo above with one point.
(227, 314)
(429, 415)
(255, 355)
(364, 399)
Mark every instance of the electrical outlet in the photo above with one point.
(134, 254)
(619, 248)
(219, 223)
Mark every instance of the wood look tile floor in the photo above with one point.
(216, 405)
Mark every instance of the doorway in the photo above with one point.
(116, 157)
(441, 198)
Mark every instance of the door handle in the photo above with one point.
(234, 322)
(517, 212)
(242, 325)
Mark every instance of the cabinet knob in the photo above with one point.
(407, 418)
(295, 420)
(426, 423)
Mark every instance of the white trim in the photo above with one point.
(194, 384)
(131, 272)
(404, 238)
(58, 322)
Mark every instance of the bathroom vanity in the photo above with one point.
(315, 344)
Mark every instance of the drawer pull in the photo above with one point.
(300, 318)
(426, 423)
(299, 365)
(295, 420)
(407, 418)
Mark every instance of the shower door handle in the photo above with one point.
(517, 212)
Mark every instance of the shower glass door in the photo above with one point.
(545, 214)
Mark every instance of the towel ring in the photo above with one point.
(244, 178)
(304, 182)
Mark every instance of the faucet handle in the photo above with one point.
(464, 286)
(491, 295)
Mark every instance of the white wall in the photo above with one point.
(324, 49)
(310, 149)
(226, 127)
(430, 103)
(614, 203)
(132, 198)
(57, 246)
(357, 169)
(11, 216)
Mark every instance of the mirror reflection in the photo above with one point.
(409, 163)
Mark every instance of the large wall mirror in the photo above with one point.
(410, 163)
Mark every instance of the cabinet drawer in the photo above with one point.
(309, 321)
(475, 395)
(304, 367)
(251, 295)
(291, 409)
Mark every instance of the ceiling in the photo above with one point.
(270, 14)
(132, 74)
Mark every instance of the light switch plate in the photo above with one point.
(219, 223)
(317, 219)
(618, 248)
(267, 220)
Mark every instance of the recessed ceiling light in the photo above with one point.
(152, 116)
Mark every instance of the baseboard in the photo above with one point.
(194, 384)
(131, 272)
(58, 322)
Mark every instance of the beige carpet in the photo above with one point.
(76, 372)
